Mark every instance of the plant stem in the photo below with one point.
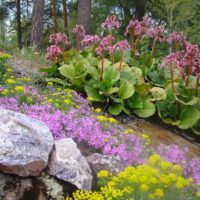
(197, 86)
(189, 72)
(78, 41)
(120, 64)
(172, 80)
(132, 42)
(153, 47)
(63, 51)
(102, 63)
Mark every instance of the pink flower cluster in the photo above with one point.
(79, 29)
(121, 46)
(53, 52)
(157, 33)
(105, 44)
(59, 38)
(138, 28)
(177, 37)
(190, 55)
(111, 22)
(89, 40)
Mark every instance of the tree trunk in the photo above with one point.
(84, 14)
(19, 31)
(54, 15)
(65, 15)
(139, 9)
(37, 23)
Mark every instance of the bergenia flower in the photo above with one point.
(157, 33)
(57, 38)
(138, 28)
(89, 40)
(122, 46)
(177, 37)
(105, 44)
(111, 23)
(79, 29)
(53, 52)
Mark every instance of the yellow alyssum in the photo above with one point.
(19, 89)
(10, 81)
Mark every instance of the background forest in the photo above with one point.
(28, 23)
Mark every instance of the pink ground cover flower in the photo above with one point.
(111, 22)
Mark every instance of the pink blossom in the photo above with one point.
(79, 29)
(53, 52)
(111, 23)
(89, 40)
(138, 28)
(121, 46)
(176, 37)
(157, 33)
(58, 38)
(105, 44)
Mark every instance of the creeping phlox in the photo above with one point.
(157, 179)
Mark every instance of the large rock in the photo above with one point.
(104, 162)
(67, 163)
(25, 144)
(42, 187)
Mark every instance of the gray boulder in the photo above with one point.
(25, 144)
(68, 164)
(104, 162)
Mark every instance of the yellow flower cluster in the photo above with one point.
(10, 81)
(61, 99)
(103, 118)
(157, 179)
(86, 195)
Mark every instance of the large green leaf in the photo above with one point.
(187, 101)
(196, 128)
(129, 76)
(93, 71)
(126, 90)
(168, 120)
(115, 109)
(135, 101)
(148, 109)
(158, 93)
(94, 94)
(189, 117)
(68, 71)
(110, 76)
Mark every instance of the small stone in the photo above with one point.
(104, 162)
